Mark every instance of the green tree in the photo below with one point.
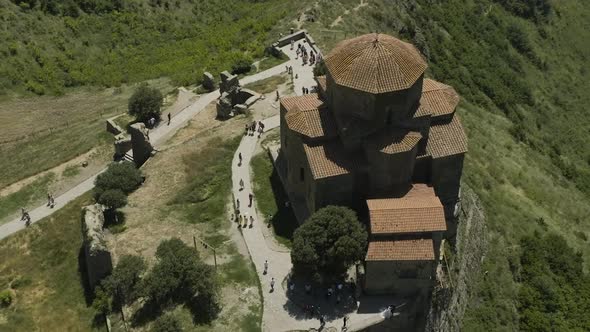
(180, 276)
(145, 103)
(113, 198)
(329, 242)
(123, 281)
(119, 176)
(103, 300)
(320, 68)
(167, 323)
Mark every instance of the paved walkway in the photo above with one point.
(158, 136)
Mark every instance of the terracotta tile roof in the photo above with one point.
(322, 84)
(424, 109)
(314, 123)
(401, 250)
(375, 63)
(394, 141)
(446, 139)
(328, 159)
(418, 211)
(441, 98)
(305, 102)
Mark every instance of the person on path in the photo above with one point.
(265, 267)
(238, 203)
(272, 284)
(322, 321)
(250, 196)
(247, 130)
(292, 287)
(277, 94)
(302, 90)
(51, 201)
(240, 159)
(245, 220)
(251, 221)
(169, 118)
(241, 184)
(344, 319)
(48, 198)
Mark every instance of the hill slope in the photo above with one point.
(520, 67)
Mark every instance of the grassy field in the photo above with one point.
(41, 264)
(268, 84)
(39, 133)
(270, 198)
(523, 106)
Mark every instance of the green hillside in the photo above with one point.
(521, 69)
(47, 46)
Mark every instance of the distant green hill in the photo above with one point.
(521, 67)
(49, 45)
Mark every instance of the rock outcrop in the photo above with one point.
(98, 258)
(208, 81)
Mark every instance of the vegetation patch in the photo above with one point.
(44, 264)
(271, 197)
(268, 84)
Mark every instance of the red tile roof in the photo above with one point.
(417, 212)
(401, 250)
(375, 63)
(446, 139)
(441, 98)
(305, 102)
(394, 141)
(329, 159)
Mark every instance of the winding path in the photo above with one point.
(158, 136)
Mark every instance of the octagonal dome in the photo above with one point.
(375, 63)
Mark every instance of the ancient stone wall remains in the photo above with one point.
(98, 258)
(208, 81)
(140, 142)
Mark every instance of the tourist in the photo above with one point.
(329, 292)
(339, 287)
(241, 184)
(238, 203)
(292, 287)
(344, 319)
(247, 130)
(250, 196)
(272, 284)
(307, 288)
(245, 220)
(322, 321)
(240, 158)
(48, 198)
(265, 267)
(251, 221)
(292, 43)
(51, 201)
(277, 94)
(240, 221)
(302, 90)
(169, 117)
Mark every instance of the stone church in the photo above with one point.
(381, 138)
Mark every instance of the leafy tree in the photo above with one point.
(119, 176)
(167, 323)
(180, 276)
(103, 300)
(242, 65)
(113, 198)
(320, 68)
(329, 242)
(145, 103)
(123, 281)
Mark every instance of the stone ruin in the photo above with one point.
(234, 99)
(140, 143)
(98, 258)
(208, 81)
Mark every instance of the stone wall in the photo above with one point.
(140, 142)
(98, 258)
(399, 278)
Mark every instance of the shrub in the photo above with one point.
(180, 275)
(167, 323)
(319, 69)
(5, 298)
(242, 65)
(113, 198)
(102, 300)
(122, 176)
(329, 242)
(145, 103)
(124, 279)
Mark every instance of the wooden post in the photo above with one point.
(195, 241)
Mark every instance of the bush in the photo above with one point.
(329, 242)
(113, 198)
(5, 298)
(102, 300)
(320, 68)
(179, 275)
(242, 66)
(145, 103)
(123, 281)
(167, 323)
(119, 176)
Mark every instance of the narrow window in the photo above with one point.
(301, 174)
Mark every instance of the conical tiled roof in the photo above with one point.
(375, 63)
(441, 98)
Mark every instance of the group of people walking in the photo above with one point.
(307, 57)
(254, 127)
